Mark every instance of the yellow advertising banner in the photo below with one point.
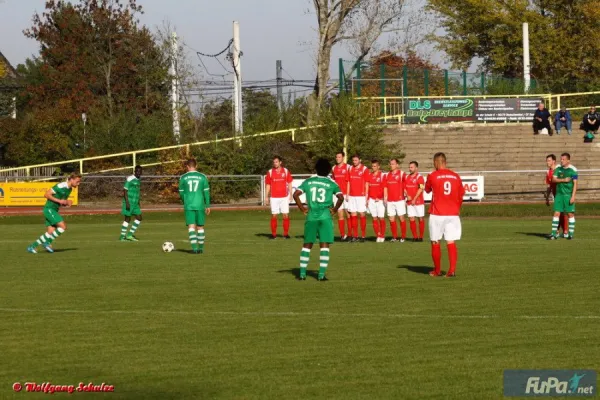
(23, 194)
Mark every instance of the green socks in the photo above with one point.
(124, 229)
(134, 226)
(201, 237)
(324, 262)
(571, 226)
(193, 238)
(46, 239)
(304, 258)
(555, 225)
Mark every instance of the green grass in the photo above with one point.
(234, 323)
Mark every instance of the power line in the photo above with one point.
(217, 54)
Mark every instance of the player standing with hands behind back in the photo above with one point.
(444, 220)
(279, 191)
(195, 194)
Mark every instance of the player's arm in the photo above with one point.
(338, 204)
(296, 196)
(290, 184)
(367, 191)
(267, 189)
(428, 187)
(348, 188)
(461, 191)
(556, 179)
(50, 196)
(385, 193)
(206, 193)
(181, 190)
(575, 180)
(126, 196)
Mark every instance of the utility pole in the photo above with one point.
(279, 70)
(174, 88)
(237, 80)
(526, 65)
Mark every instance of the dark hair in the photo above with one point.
(356, 156)
(395, 159)
(414, 162)
(191, 163)
(374, 161)
(277, 158)
(566, 155)
(74, 175)
(341, 152)
(323, 167)
(439, 155)
(138, 167)
(552, 156)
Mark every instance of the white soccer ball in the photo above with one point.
(168, 247)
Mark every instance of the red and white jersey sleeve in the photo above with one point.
(376, 182)
(549, 182)
(394, 182)
(448, 192)
(357, 177)
(412, 184)
(340, 176)
(279, 180)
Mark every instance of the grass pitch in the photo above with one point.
(234, 323)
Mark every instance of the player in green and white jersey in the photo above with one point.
(566, 179)
(195, 194)
(320, 191)
(56, 197)
(131, 205)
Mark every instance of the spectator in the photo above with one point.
(591, 121)
(541, 120)
(563, 119)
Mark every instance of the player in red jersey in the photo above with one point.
(393, 197)
(444, 211)
(357, 203)
(279, 192)
(551, 188)
(414, 183)
(374, 189)
(340, 175)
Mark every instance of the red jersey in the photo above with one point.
(376, 182)
(394, 182)
(279, 179)
(448, 192)
(549, 175)
(412, 184)
(340, 176)
(357, 177)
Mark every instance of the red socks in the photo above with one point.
(403, 228)
(274, 226)
(363, 226)
(453, 256)
(354, 224)
(382, 227)
(436, 255)
(413, 228)
(565, 225)
(376, 227)
(421, 228)
(286, 226)
(394, 228)
(342, 226)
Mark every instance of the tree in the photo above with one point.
(491, 30)
(360, 23)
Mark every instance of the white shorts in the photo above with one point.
(444, 226)
(280, 205)
(416, 211)
(396, 208)
(357, 204)
(376, 208)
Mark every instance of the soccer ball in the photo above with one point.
(168, 247)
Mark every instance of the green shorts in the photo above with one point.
(53, 218)
(195, 217)
(561, 204)
(133, 210)
(322, 229)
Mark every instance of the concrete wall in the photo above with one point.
(499, 147)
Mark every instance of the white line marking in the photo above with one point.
(297, 314)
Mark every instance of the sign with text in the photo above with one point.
(505, 110)
(28, 194)
(421, 111)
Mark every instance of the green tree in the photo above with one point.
(563, 37)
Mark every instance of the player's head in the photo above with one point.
(339, 157)
(323, 167)
(593, 109)
(565, 159)
(74, 179)
(550, 160)
(541, 106)
(277, 162)
(413, 167)
(191, 164)
(394, 163)
(375, 165)
(137, 171)
(439, 160)
(356, 160)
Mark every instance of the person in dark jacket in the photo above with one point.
(541, 119)
(563, 119)
(591, 121)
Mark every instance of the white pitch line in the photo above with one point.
(298, 314)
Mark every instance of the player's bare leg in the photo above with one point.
(286, 226)
(124, 228)
(436, 255)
